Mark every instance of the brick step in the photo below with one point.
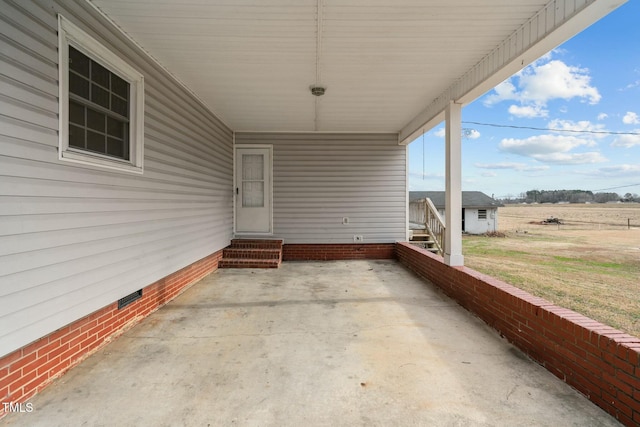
(256, 244)
(244, 253)
(252, 253)
(248, 263)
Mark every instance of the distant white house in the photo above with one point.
(479, 211)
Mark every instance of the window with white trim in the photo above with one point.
(482, 214)
(101, 104)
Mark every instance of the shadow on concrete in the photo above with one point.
(339, 343)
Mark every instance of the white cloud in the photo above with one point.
(528, 111)
(602, 116)
(489, 174)
(541, 82)
(552, 149)
(571, 158)
(582, 126)
(632, 85)
(614, 171)
(503, 165)
(621, 170)
(631, 118)
(502, 92)
(536, 168)
(511, 165)
(466, 133)
(627, 141)
(555, 79)
(543, 144)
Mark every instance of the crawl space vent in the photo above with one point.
(125, 301)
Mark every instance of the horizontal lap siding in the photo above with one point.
(75, 239)
(321, 178)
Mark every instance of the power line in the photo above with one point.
(614, 188)
(601, 132)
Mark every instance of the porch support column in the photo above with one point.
(453, 177)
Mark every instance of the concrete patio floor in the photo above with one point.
(311, 344)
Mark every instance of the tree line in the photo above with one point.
(569, 196)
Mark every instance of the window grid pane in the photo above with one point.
(115, 147)
(78, 85)
(95, 120)
(119, 87)
(77, 113)
(96, 142)
(99, 75)
(89, 128)
(78, 62)
(77, 137)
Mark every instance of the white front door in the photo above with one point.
(253, 190)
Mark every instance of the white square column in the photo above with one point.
(453, 177)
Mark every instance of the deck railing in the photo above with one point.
(434, 225)
(424, 214)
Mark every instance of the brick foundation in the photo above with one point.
(334, 252)
(28, 370)
(598, 360)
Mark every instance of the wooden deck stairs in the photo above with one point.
(431, 229)
(423, 239)
(252, 253)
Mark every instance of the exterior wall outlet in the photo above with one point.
(345, 220)
(358, 238)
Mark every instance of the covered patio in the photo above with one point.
(338, 343)
(139, 138)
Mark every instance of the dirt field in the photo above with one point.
(573, 217)
(589, 263)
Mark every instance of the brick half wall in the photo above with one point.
(336, 252)
(598, 360)
(28, 370)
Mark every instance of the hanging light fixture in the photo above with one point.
(317, 90)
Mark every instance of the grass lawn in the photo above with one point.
(594, 272)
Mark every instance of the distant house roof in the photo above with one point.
(470, 199)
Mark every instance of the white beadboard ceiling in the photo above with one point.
(385, 64)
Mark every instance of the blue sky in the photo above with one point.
(590, 84)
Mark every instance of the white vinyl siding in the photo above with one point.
(75, 238)
(101, 103)
(479, 221)
(319, 179)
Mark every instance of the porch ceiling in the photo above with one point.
(387, 66)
